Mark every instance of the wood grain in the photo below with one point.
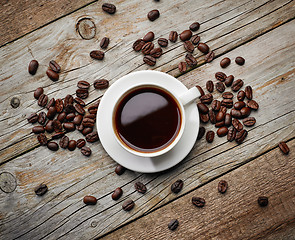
(61, 213)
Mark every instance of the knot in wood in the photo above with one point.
(7, 182)
(14, 102)
(86, 28)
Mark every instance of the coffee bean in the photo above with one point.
(249, 121)
(79, 109)
(163, 42)
(194, 26)
(41, 189)
(51, 103)
(104, 43)
(220, 76)
(231, 135)
(81, 143)
(220, 124)
(199, 202)
(56, 125)
(222, 186)
(195, 39)
(227, 102)
(69, 126)
(70, 116)
(284, 147)
(42, 139)
(49, 127)
(88, 122)
(210, 136)
(38, 129)
(78, 119)
(212, 116)
(202, 108)
(227, 95)
(182, 67)
(54, 66)
(173, 224)
(241, 95)
(200, 90)
(149, 37)
(173, 36)
(240, 60)
(177, 186)
(51, 113)
(61, 117)
(245, 111)
(42, 101)
(262, 201)
(209, 57)
(64, 142)
(86, 151)
(237, 84)
(83, 84)
(82, 93)
(207, 98)
(140, 187)
(86, 130)
(253, 104)
(185, 35)
(204, 117)
(188, 46)
(201, 133)
(216, 105)
(38, 92)
(57, 135)
(210, 86)
(119, 170)
(92, 110)
(117, 193)
(53, 146)
(248, 92)
(156, 52)
(52, 75)
(80, 101)
(138, 44)
(227, 120)
(190, 60)
(109, 8)
(237, 125)
(33, 118)
(225, 62)
(92, 137)
(235, 113)
(42, 118)
(59, 105)
(229, 80)
(220, 116)
(101, 84)
(153, 15)
(240, 136)
(147, 48)
(220, 87)
(239, 105)
(223, 109)
(128, 205)
(203, 47)
(72, 145)
(90, 200)
(97, 54)
(33, 66)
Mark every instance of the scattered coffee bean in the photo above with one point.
(163, 42)
(79, 101)
(207, 98)
(201, 133)
(56, 125)
(149, 37)
(173, 36)
(239, 105)
(147, 48)
(42, 139)
(149, 60)
(203, 47)
(104, 43)
(119, 170)
(138, 44)
(223, 109)
(86, 151)
(202, 108)
(38, 129)
(253, 104)
(140, 187)
(249, 121)
(284, 147)
(227, 120)
(210, 86)
(212, 116)
(86, 130)
(194, 26)
(41, 189)
(153, 15)
(81, 143)
(90, 200)
(83, 84)
(69, 100)
(210, 136)
(42, 101)
(220, 116)
(227, 102)
(245, 111)
(200, 90)
(49, 126)
(227, 95)
(57, 135)
(33, 118)
(262, 201)
(216, 105)
(188, 46)
(195, 39)
(82, 93)
(128, 205)
(72, 145)
(88, 122)
(229, 80)
(173, 224)
(51, 113)
(237, 124)
(241, 95)
(38, 92)
(225, 62)
(117, 193)
(92, 137)
(231, 135)
(240, 136)
(182, 67)
(237, 84)
(109, 8)
(204, 117)
(240, 61)
(53, 146)
(97, 54)
(190, 60)
(177, 186)
(59, 106)
(209, 57)
(235, 113)
(42, 118)
(33, 66)
(199, 202)
(51, 103)
(220, 124)
(70, 116)
(52, 75)
(222, 186)
(69, 126)
(54, 66)
(220, 76)
(101, 84)
(64, 142)
(156, 52)
(220, 87)
(185, 35)
(248, 92)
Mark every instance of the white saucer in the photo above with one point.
(127, 159)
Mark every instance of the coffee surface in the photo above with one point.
(147, 119)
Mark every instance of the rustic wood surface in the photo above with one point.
(262, 32)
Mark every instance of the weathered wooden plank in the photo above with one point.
(62, 212)
(225, 26)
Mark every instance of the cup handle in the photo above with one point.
(190, 95)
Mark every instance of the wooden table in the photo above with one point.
(263, 32)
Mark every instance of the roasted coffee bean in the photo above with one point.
(147, 48)
(199, 202)
(54, 66)
(72, 145)
(245, 111)
(59, 106)
(61, 117)
(104, 43)
(225, 62)
(69, 126)
(49, 127)
(81, 143)
(68, 103)
(156, 52)
(239, 105)
(79, 109)
(70, 117)
(109, 8)
(128, 205)
(194, 26)
(235, 113)
(33, 118)
(209, 57)
(195, 39)
(86, 151)
(241, 95)
(56, 125)
(182, 67)
(119, 170)
(237, 124)
(51, 113)
(64, 142)
(149, 60)
(207, 98)
(227, 95)
(227, 120)
(204, 117)
(80, 101)
(216, 105)
(201, 133)
(219, 124)
(42, 118)
(57, 135)
(80, 127)
(163, 42)
(262, 201)
(227, 103)
(202, 108)
(92, 137)
(53, 146)
(42, 139)
(240, 136)
(185, 35)
(190, 60)
(220, 116)
(149, 37)
(97, 54)
(173, 224)
(33, 66)
(231, 135)
(86, 130)
(82, 93)
(203, 47)
(52, 75)
(284, 147)
(249, 121)
(222, 186)
(90, 200)
(210, 136)
(138, 44)
(220, 76)
(83, 84)
(253, 104)
(200, 90)
(248, 92)
(140, 187)
(51, 103)
(229, 80)
(188, 46)
(177, 186)
(223, 109)
(240, 61)
(78, 119)
(153, 15)
(41, 189)
(100, 84)
(117, 193)
(38, 92)
(212, 116)
(92, 110)
(210, 86)
(237, 84)
(173, 36)
(42, 101)
(220, 87)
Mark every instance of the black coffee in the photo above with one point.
(147, 119)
